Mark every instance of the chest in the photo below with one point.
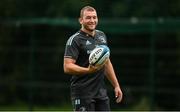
(88, 44)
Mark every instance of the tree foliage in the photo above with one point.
(70, 8)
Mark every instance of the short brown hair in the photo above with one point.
(88, 8)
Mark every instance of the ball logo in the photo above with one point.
(98, 51)
(99, 55)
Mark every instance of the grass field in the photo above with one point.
(24, 107)
(143, 105)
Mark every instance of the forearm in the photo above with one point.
(74, 69)
(110, 74)
(71, 68)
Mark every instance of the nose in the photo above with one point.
(92, 19)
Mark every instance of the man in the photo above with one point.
(88, 91)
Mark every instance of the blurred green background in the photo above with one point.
(144, 38)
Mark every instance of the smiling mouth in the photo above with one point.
(91, 25)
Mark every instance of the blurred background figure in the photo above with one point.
(144, 41)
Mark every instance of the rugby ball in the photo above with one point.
(98, 55)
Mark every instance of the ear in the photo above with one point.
(80, 20)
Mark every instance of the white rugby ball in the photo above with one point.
(99, 55)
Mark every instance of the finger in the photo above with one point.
(116, 94)
(118, 100)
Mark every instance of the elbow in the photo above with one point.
(66, 69)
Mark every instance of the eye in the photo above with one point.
(94, 17)
(88, 17)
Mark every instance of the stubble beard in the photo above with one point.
(89, 29)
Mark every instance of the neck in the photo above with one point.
(92, 33)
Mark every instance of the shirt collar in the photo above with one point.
(84, 33)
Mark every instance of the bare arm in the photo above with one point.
(71, 68)
(110, 74)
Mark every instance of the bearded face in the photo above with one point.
(89, 20)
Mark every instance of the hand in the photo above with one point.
(93, 69)
(118, 94)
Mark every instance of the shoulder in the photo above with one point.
(73, 38)
(100, 32)
(101, 37)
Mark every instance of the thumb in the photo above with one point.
(116, 94)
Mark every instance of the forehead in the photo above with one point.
(89, 13)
